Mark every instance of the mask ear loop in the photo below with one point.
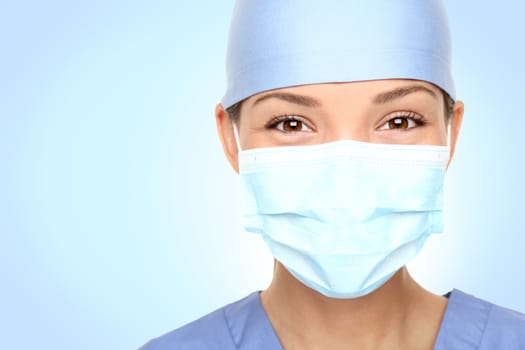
(449, 137)
(237, 138)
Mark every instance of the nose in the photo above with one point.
(348, 128)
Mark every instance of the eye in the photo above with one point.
(288, 124)
(403, 121)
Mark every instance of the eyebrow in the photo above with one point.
(399, 92)
(382, 98)
(302, 100)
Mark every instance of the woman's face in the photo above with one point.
(379, 111)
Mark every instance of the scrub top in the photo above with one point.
(469, 323)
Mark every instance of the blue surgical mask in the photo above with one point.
(343, 217)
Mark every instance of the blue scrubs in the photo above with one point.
(469, 323)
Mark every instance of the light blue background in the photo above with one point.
(118, 212)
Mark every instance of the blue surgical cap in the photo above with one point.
(281, 43)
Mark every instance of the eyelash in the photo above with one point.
(272, 123)
(412, 116)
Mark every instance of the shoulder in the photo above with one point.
(211, 331)
(473, 323)
(208, 332)
(505, 328)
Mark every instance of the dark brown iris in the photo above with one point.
(292, 125)
(398, 123)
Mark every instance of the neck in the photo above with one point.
(306, 319)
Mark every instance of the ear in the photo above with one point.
(225, 129)
(455, 126)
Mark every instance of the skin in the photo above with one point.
(400, 314)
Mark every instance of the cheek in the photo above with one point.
(441, 133)
(434, 134)
(251, 138)
(251, 131)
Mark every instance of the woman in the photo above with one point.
(341, 119)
